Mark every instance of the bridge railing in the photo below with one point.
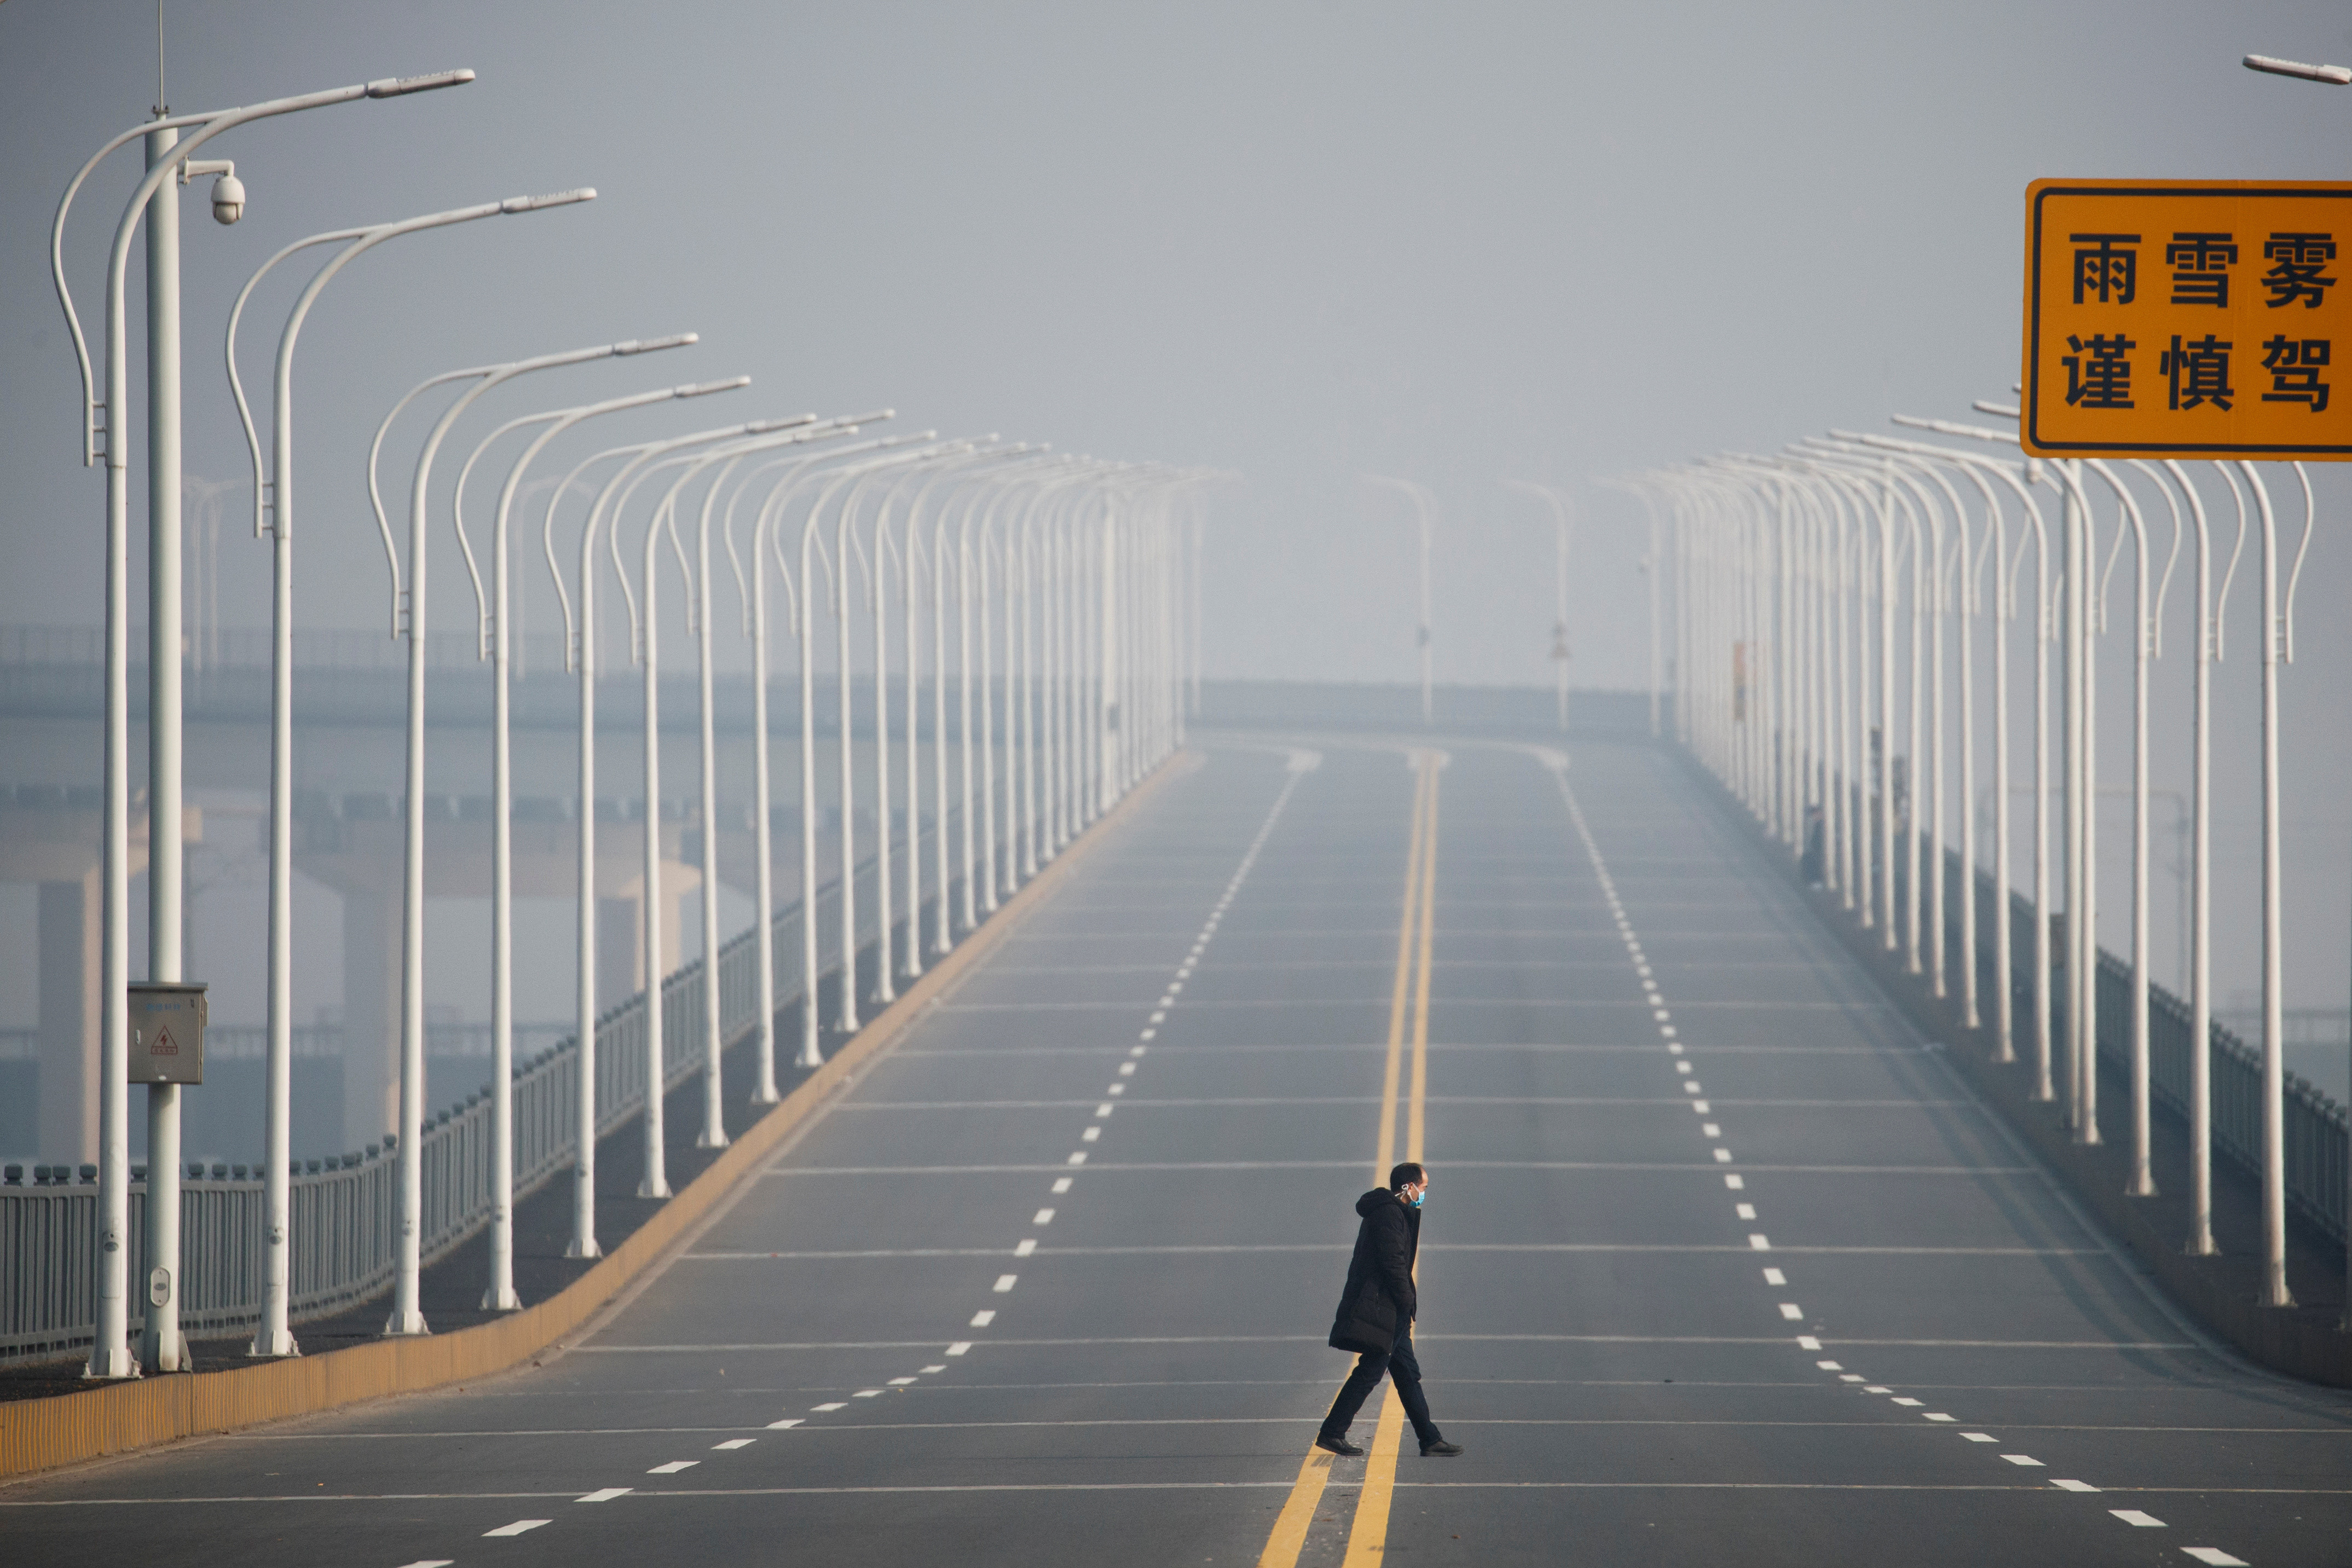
(2318, 1132)
(344, 1225)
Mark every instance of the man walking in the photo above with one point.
(1377, 1310)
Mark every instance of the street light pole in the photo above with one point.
(277, 495)
(406, 1316)
(2145, 619)
(714, 1133)
(162, 1346)
(950, 470)
(765, 537)
(1977, 469)
(581, 644)
(169, 158)
(498, 1295)
(976, 815)
(1421, 506)
(2278, 646)
(2200, 933)
(2044, 634)
(1561, 512)
(2335, 76)
(811, 1054)
(662, 520)
(885, 553)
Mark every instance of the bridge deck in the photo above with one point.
(890, 1351)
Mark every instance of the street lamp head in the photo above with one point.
(228, 199)
(559, 199)
(401, 86)
(704, 388)
(648, 345)
(2335, 76)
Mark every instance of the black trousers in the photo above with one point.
(1399, 1364)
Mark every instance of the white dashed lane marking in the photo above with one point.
(517, 1528)
(604, 1494)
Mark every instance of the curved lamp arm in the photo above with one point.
(2172, 557)
(213, 122)
(236, 383)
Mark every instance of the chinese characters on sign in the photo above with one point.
(2190, 319)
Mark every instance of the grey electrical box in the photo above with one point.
(167, 1031)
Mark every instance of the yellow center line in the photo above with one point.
(1368, 1532)
(1368, 1536)
(1282, 1548)
(1413, 1143)
(1384, 1149)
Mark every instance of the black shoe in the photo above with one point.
(1340, 1445)
(1439, 1449)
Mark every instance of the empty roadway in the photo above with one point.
(1719, 1263)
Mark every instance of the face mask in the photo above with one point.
(1415, 1199)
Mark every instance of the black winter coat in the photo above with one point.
(1379, 1297)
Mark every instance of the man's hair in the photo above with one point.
(1405, 1175)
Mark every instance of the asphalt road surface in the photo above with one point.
(1719, 1263)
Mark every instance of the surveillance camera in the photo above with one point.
(228, 199)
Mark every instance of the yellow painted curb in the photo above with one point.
(41, 1434)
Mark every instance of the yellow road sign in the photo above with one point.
(2190, 319)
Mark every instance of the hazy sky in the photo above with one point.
(1299, 240)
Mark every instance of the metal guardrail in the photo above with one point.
(2318, 1130)
(249, 649)
(315, 1041)
(343, 1209)
(2321, 1027)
